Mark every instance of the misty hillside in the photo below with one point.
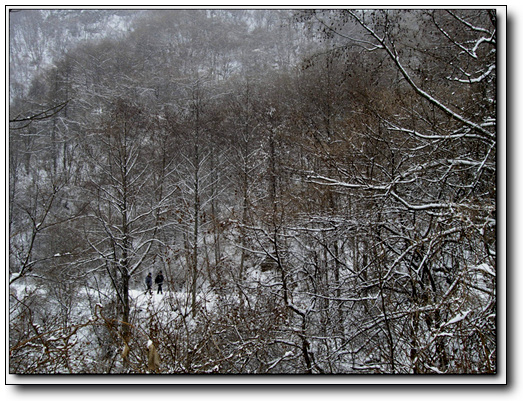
(317, 187)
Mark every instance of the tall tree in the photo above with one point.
(126, 207)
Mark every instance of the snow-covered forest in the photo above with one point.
(318, 188)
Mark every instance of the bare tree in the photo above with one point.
(127, 209)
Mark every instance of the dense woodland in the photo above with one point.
(317, 186)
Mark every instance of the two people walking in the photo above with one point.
(158, 280)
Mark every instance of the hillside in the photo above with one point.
(317, 186)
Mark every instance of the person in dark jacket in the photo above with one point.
(149, 283)
(159, 280)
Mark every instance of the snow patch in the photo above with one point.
(484, 267)
(458, 318)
